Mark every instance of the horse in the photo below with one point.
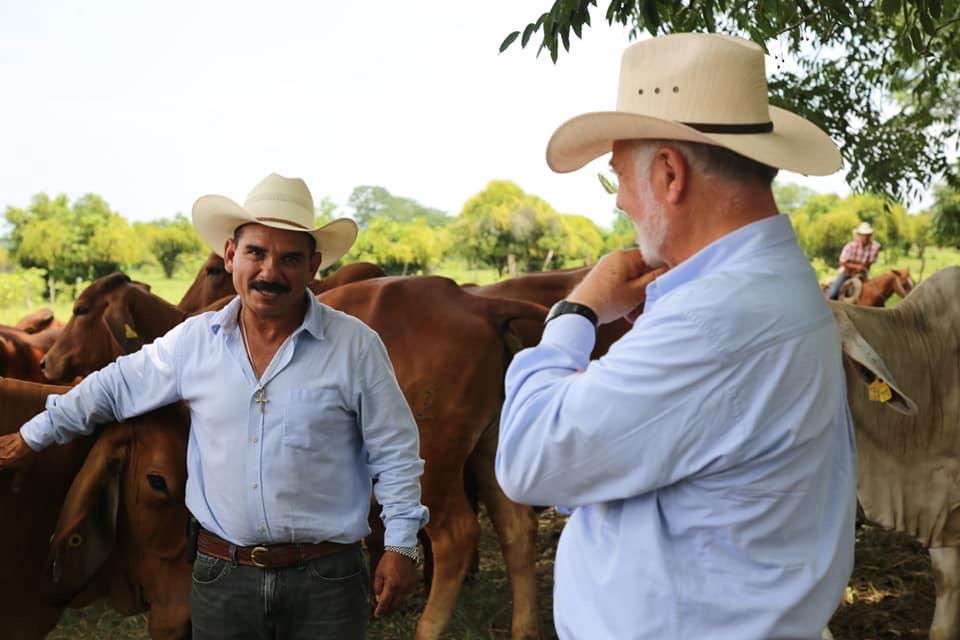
(873, 292)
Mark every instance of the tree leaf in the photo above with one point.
(508, 41)
(527, 33)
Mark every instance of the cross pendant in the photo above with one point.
(261, 398)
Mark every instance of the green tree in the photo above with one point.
(946, 216)
(324, 211)
(622, 236)
(855, 60)
(84, 240)
(170, 241)
(501, 221)
(825, 223)
(400, 248)
(368, 202)
(790, 196)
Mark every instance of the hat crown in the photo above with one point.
(695, 78)
(281, 199)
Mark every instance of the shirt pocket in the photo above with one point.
(312, 417)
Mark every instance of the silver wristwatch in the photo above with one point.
(413, 553)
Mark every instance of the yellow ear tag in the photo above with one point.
(129, 332)
(879, 391)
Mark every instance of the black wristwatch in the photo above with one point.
(565, 306)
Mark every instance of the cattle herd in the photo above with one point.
(114, 502)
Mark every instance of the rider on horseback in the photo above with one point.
(856, 257)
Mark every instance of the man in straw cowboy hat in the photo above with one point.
(708, 458)
(294, 410)
(856, 257)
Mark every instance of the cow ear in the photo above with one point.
(87, 528)
(123, 329)
(871, 366)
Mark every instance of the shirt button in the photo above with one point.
(261, 528)
(254, 485)
(254, 439)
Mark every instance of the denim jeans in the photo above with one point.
(837, 284)
(320, 599)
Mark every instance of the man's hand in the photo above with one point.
(14, 452)
(394, 581)
(616, 286)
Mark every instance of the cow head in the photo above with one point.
(903, 284)
(870, 365)
(112, 317)
(212, 283)
(124, 516)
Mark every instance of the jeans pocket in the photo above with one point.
(208, 570)
(336, 567)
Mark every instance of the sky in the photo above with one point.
(153, 104)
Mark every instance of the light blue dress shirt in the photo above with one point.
(298, 471)
(709, 457)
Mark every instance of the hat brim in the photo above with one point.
(217, 217)
(795, 144)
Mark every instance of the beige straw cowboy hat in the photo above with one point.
(864, 229)
(282, 203)
(697, 87)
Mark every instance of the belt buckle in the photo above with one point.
(253, 556)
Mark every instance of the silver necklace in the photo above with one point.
(261, 396)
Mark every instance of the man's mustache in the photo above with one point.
(269, 287)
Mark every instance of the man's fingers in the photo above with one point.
(385, 601)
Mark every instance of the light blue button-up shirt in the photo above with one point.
(300, 470)
(709, 457)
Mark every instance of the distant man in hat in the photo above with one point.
(708, 458)
(856, 257)
(295, 409)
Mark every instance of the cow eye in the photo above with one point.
(156, 482)
(80, 311)
(215, 271)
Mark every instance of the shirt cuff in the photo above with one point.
(38, 432)
(573, 333)
(401, 532)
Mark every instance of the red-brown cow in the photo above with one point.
(546, 288)
(120, 529)
(449, 352)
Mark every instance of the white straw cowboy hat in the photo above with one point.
(696, 87)
(864, 229)
(282, 203)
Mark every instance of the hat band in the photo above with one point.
(758, 127)
(290, 222)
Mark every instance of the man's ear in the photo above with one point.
(315, 261)
(673, 172)
(229, 250)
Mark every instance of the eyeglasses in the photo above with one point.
(609, 184)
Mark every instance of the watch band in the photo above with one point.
(564, 307)
(407, 552)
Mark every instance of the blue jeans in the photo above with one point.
(837, 285)
(323, 598)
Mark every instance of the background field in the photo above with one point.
(890, 595)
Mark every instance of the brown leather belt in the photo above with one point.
(274, 556)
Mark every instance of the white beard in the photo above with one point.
(652, 232)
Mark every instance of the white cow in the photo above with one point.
(908, 424)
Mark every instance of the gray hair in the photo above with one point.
(707, 159)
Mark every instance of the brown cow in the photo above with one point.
(448, 350)
(546, 288)
(112, 317)
(214, 283)
(37, 321)
(119, 495)
(22, 352)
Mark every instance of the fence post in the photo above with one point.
(26, 294)
(53, 290)
(76, 288)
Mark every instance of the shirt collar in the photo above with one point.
(762, 234)
(312, 323)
